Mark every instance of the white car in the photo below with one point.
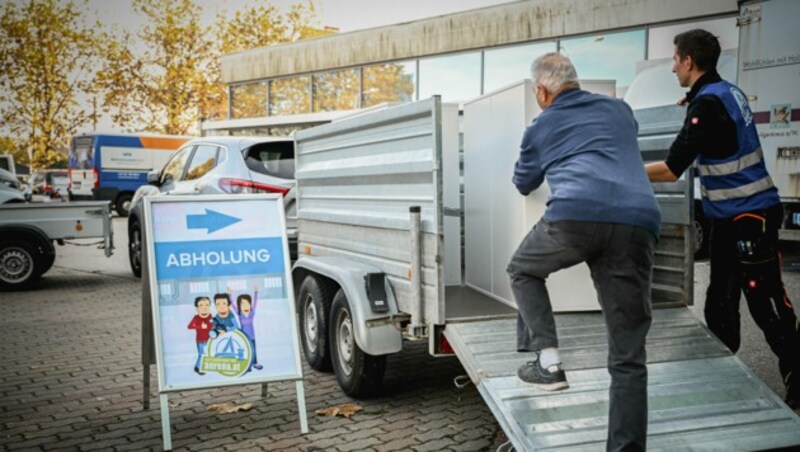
(11, 190)
(214, 165)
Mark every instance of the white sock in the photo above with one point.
(549, 357)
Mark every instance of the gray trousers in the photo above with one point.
(620, 258)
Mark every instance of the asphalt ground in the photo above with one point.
(71, 379)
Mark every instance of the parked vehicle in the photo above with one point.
(11, 189)
(220, 165)
(52, 183)
(7, 163)
(28, 231)
(112, 166)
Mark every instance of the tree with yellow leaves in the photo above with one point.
(161, 88)
(47, 59)
(176, 80)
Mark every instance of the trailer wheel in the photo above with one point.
(123, 204)
(135, 248)
(47, 263)
(314, 305)
(358, 373)
(18, 265)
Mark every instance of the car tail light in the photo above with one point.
(96, 177)
(237, 186)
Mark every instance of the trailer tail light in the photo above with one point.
(444, 346)
(96, 178)
(238, 186)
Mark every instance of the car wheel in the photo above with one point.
(135, 247)
(314, 304)
(358, 373)
(18, 265)
(123, 204)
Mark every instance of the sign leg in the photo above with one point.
(264, 388)
(301, 405)
(166, 433)
(146, 386)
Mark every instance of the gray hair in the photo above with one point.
(552, 70)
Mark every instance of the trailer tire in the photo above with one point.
(135, 247)
(358, 373)
(20, 265)
(314, 305)
(47, 263)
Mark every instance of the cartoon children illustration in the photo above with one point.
(246, 310)
(224, 321)
(202, 324)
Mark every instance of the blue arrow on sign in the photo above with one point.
(212, 221)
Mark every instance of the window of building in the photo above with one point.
(288, 130)
(290, 96)
(504, 66)
(660, 39)
(249, 101)
(454, 77)
(655, 84)
(390, 82)
(611, 57)
(336, 90)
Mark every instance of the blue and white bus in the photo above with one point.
(112, 166)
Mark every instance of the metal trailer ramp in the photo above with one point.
(700, 395)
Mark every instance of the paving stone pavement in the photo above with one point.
(71, 379)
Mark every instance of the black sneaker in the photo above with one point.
(550, 379)
(793, 393)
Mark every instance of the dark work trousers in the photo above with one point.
(745, 257)
(620, 258)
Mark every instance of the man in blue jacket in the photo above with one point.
(601, 211)
(740, 200)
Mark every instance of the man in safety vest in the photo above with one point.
(739, 199)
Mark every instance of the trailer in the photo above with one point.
(383, 260)
(28, 233)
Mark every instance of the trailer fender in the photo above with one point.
(375, 333)
(30, 234)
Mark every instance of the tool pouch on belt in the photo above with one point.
(752, 245)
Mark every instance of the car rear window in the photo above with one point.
(273, 159)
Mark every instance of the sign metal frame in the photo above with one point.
(219, 202)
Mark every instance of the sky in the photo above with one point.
(346, 15)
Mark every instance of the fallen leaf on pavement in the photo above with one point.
(346, 410)
(229, 407)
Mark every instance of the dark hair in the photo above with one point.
(227, 297)
(197, 301)
(243, 297)
(699, 44)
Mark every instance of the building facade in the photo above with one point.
(276, 90)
